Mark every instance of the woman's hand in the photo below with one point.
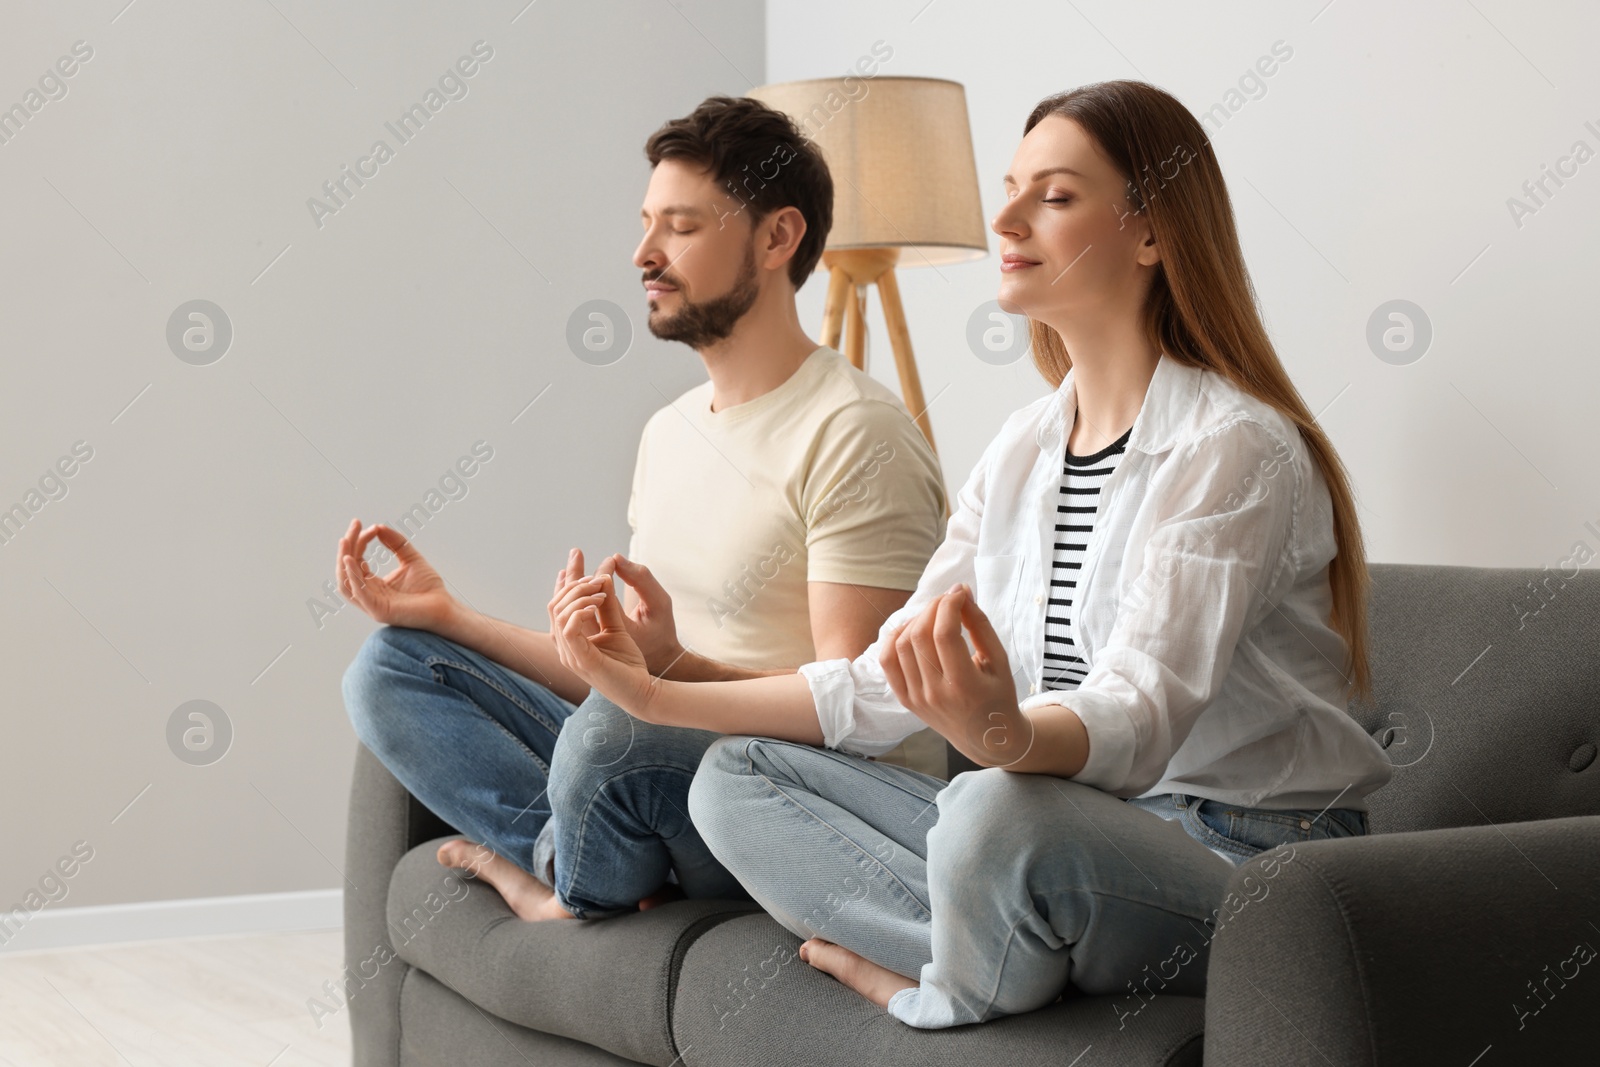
(968, 697)
(412, 595)
(592, 640)
(650, 623)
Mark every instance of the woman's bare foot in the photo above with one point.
(528, 897)
(875, 983)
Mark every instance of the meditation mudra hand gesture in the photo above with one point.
(592, 638)
(967, 696)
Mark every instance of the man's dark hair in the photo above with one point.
(758, 156)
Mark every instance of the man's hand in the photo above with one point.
(413, 595)
(650, 621)
(969, 698)
(591, 636)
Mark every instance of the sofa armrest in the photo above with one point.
(1426, 947)
(385, 822)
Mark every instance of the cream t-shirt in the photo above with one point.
(823, 479)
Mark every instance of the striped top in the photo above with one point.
(1079, 498)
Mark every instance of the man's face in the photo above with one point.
(698, 256)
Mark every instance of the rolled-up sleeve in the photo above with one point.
(856, 707)
(1215, 563)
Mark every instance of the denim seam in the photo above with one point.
(744, 750)
(1240, 824)
(1210, 837)
(1159, 904)
(583, 822)
(870, 767)
(1011, 935)
(846, 838)
(873, 768)
(1000, 966)
(433, 661)
(1289, 816)
(897, 781)
(467, 668)
(1337, 824)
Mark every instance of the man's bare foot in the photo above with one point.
(528, 897)
(665, 895)
(875, 983)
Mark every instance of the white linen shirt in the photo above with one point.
(1204, 602)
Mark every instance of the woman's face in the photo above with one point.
(1070, 245)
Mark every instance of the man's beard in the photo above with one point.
(705, 323)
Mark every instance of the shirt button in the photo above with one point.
(1038, 600)
(1032, 689)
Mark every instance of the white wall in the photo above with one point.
(1374, 164)
(368, 354)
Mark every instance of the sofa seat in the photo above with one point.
(744, 996)
(442, 1026)
(609, 984)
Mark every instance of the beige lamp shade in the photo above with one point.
(900, 152)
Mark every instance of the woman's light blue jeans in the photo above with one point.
(996, 889)
(585, 797)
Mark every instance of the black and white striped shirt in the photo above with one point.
(1079, 498)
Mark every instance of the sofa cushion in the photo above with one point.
(1488, 694)
(607, 982)
(744, 996)
(443, 1027)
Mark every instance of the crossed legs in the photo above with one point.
(961, 902)
(498, 756)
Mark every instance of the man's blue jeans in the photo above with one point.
(584, 797)
(995, 889)
(620, 790)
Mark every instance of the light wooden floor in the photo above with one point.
(207, 1002)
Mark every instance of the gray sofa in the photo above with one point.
(1461, 931)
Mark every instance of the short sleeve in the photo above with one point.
(1213, 566)
(856, 707)
(873, 498)
(633, 494)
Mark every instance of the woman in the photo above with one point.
(1161, 573)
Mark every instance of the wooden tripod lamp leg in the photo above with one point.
(833, 309)
(849, 270)
(855, 328)
(900, 339)
(910, 382)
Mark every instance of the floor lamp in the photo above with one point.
(905, 194)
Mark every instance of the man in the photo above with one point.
(780, 513)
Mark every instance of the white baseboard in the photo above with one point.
(256, 913)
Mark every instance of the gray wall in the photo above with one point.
(368, 354)
(1374, 164)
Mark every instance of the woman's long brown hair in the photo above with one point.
(1201, 308)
